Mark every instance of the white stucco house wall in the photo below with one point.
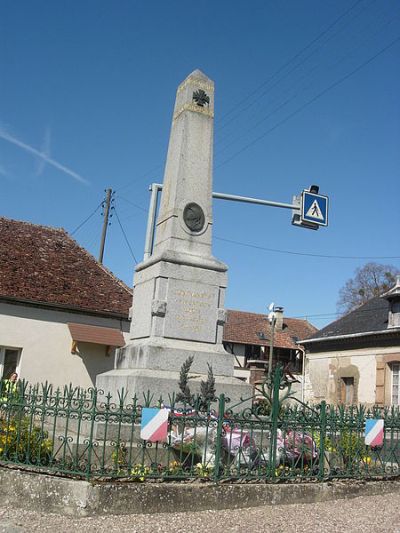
(62, 314)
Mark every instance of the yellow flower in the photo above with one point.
(47, 445)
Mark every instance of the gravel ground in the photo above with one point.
(377, 513)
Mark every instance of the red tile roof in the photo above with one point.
(243, 328)
(45, 265)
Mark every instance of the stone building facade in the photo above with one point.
(356, 359)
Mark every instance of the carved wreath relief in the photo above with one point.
(201, 98)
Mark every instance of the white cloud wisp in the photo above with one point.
(45, 150)
(13, 140)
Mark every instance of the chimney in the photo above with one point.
(278, 318)
(393, 297)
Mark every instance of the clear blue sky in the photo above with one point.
(307, 91)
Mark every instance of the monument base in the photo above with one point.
(159, 353)
(142, 381)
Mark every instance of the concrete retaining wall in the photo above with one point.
(71, 497)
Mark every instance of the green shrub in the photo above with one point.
(351, 448)
(23, 443)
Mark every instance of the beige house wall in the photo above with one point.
(325, 370)
(43, 337)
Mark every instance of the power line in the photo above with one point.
(125, 237)
(133, 204)
(255, 91)
(326, 256)
(297, 92)
(287, 63)
(306, 316)
(311, 101)
(327, 315)
(293, 58)
(87, 219)
(136, 180)
(91, 242)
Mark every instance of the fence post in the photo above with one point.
(275, 407)
(93, 409)
(322, 436)
(218, 443)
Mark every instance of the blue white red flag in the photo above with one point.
(374, 432)
(154, 426)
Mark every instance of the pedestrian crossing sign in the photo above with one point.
(314, 208)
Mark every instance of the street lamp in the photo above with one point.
(272, 321)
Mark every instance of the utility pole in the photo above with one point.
(271, 347)
(106, 207)
(272, 321)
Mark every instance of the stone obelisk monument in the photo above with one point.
(178, 300)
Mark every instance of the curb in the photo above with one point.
(70, 497)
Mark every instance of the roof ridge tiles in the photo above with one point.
(102, 267)
(46, 265)
(34, 224)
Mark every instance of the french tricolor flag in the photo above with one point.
(154, 426)
(374, 432)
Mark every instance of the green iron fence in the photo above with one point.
(268, 437)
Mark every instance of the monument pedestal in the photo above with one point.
(176, 315)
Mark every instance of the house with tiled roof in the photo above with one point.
(248, 337)
(62, 314)
(356, 359)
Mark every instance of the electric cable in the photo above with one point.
(136, 180)
(234, 108)
(311, 101)
(133, 204)
(287, 63)
(298, 54)
(325, 256)
(298, 92)
(306, 316)
(125, 237)
(293, 58)
(87, 219)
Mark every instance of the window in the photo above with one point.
(347, 391)
(9, 361)
(395, 383)
(252, 351)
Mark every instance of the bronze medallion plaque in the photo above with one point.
(193, 217)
